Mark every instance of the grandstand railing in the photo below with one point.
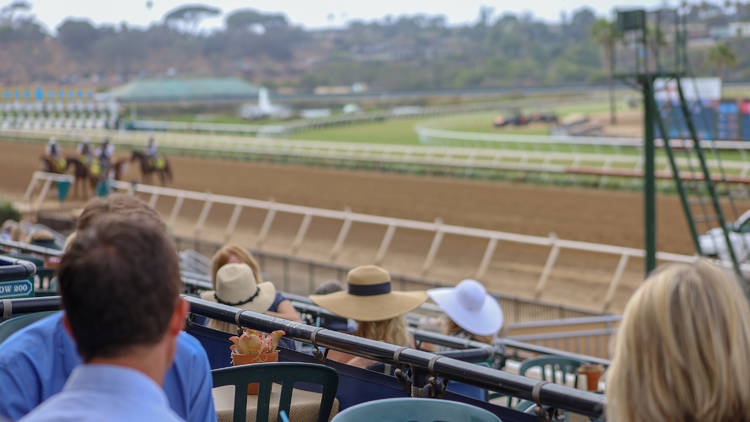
(423, 363)
(390, 225)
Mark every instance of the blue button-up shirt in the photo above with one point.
(106, 393)
(36, 361)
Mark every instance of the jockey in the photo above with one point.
(84, 150)
(153, 155)
(53, 151)
(104, 152)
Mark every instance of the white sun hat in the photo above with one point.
(470, 307)
(236, 286)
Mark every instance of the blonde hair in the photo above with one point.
(682, 350)
(221, 258)
(451, 328)
(388, 330)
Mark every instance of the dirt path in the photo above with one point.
(572, 213)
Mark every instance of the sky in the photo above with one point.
(314, 13)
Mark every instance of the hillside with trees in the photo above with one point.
(394, 53)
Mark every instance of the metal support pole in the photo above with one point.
(232, 222)
(615, 281)
(487, 258)
(175, 210)
(649, 184)
(342, 236)
(301, 233)
(266, 227)
(553, 253)
(385, 244)
(434, 247)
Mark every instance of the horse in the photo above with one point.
(50, 165)
(81, 174)
(148, 168)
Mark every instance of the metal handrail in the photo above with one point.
(557, 396)
(15, 269)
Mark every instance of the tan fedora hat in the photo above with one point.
(369, 297)
(236, 286)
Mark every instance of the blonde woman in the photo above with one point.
(683, 349)
(281, 306)
(378, 311)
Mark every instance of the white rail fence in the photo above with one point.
(390, 225)
(556, 142)
(468, 158)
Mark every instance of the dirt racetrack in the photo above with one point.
(590, 215)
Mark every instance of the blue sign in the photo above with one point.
(70, 94)
(19, 288)
(61, 94)
(51, 94)
(27, 94)
(7, 95)
(80, 93)
(18, 93)
(39, 93)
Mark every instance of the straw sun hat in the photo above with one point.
(470, 307)
(369, 296)
(236, 286)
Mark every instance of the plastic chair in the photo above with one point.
(553, 365)
(415, 410)
(10, 326)
(284, 373)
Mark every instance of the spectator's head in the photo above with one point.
(328, 287)
(236, 286)
(470, 309)
(682, 349)
(370, 301)
(119, 280)
(234, 254)
(117, 204)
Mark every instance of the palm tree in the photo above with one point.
(723, 56)
(605, 33)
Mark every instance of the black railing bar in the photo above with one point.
(31, 304)
(515, 344)
(16, 269)
(49, 252)
(561, 397)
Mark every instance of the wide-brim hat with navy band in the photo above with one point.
(236, 286)
(369, 297)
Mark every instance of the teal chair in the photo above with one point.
(415, 410)
(10, 326)
(284, 373)
(559, 369)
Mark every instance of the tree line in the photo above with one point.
(394, 53)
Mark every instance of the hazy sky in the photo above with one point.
(314, 13)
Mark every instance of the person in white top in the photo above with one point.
(105, 152)
(84, 149)
(53, 150)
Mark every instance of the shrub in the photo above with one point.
(8, 211)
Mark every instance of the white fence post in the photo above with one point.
(232, 222)
(32, 185)
(43, 193)
(266, 227)
(553, 253)
(336, 250)
(385, 244)
(615, 281)
(301, 232)
(487, 258)
(203, 216)
(434, 247)
(175, 209)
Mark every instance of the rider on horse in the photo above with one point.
(103, 157)
(53, 151)
(85, 151)
(152, 153)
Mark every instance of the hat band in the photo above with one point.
(369, 289)
(242, 302)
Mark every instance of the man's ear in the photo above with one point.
(66, 324)
(177, 323)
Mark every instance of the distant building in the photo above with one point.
(170, 90)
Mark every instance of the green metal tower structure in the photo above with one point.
(697, 189)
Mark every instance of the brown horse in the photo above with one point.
(81, 173)
(148, 168)
(50, 165)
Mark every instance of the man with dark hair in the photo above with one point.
(119, 281)
(35, 362)
(120, 204)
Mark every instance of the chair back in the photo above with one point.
(556, 369)
(284, 373)
(416, 410)
(10, 326)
